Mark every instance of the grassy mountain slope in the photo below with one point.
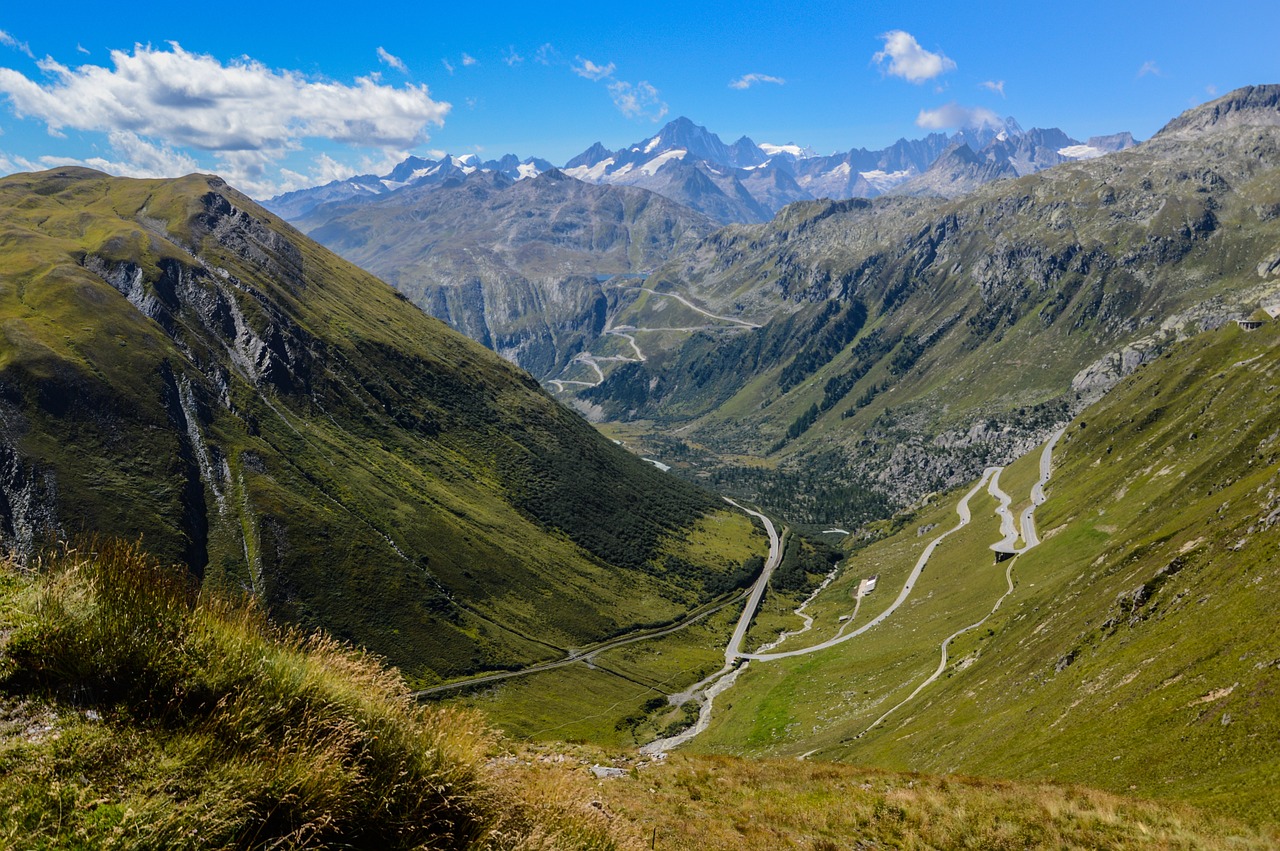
(251, 736)
(134, 715)
(180, 365)
(985, 316)
(1136, 652)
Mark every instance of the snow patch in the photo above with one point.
(527, 170)
(652, 166)
(594, 173)
(884, 180)
(1080, 152)
(790, 149)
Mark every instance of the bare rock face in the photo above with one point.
(1252, 106)
(518, 266)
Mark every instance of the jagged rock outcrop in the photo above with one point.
(1252, 106)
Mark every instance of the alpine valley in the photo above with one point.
(924, 497)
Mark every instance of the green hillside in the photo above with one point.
(136, 714)
(1136, 651)
(178, 365)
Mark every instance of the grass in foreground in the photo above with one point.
(135, 714)
(716, 802)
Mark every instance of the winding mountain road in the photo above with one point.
(754, 594)
(692, 306)
(717, 683)
(962, 510)
(627, 332)
(578, 655)
(705, 691)
(1006, 526)
(734, 651)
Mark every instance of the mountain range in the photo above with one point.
(412, 171)
(745, 181)
(906, 343)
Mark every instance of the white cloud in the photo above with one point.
(547, 55)
(592, 71)
(908, 60)
(468, 60)
(80, 48)
(138, 158)
(1151, 68)
(1211, 90)
(511, 57)
(746, 81)
(954, 115)
(448, 66)
(637, 101)
(392, 61)
(20, 46)
(10, 163)
(996, 86)
(195, 101)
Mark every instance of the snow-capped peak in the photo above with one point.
(790, 149)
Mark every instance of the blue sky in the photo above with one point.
(282, 95)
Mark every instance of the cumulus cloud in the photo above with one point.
(954, 115)
(637, 101)
(592, 71)
(20, 46)
(511, 57)
(1150, 68)
(908, 60)
(137, 158)
(996, 86)
(195, 101)
(746, 81)
(468, 60)
(392, 61)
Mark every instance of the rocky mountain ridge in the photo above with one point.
(683, 155)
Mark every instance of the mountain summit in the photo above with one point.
(1248, 107)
